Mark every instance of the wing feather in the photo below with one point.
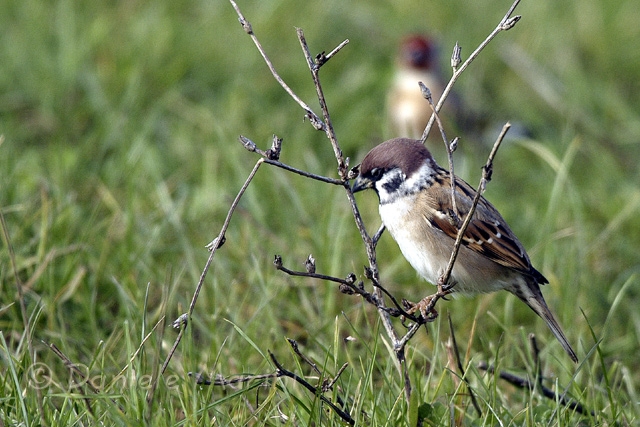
(488, 233)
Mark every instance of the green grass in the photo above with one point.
(120, 160)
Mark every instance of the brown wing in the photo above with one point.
(487, 234)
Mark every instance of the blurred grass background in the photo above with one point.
(120, 160)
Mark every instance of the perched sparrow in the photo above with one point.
(415, 206)
(417, 62)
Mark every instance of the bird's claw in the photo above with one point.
(426, 307)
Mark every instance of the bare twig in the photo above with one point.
(135, 354)
(294, 345)
(505, 24)
(213, 247)
(329, 385)
(487, 169)
(531, 386)
(283, 372)
(313, 117)
(314, 67)
(349, 286)
(272, 160)
(426, 93)
(222, 381)
(75, 370)
(328, 180)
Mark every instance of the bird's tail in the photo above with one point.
(535, 300)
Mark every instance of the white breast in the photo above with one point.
(428, 251)
(396, 217)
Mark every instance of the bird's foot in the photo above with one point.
(426, 307)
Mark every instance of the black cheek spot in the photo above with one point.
(393, 184)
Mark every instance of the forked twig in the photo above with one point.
(316, 121)
(505, 24)
(286, 373)
(314, 67)
(182, 321)
(349, 286)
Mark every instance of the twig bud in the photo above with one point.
(509, 23)
(277, 261)
(353, 172)
(368, 272)
(216, 243)
(455, 56)
(315, 121)
(426, 92)
(454, 144)
(246, 26)
(351, 278)
(310, 264)
(181, 321)
(321, 58)
(247, 143)
(273, 153)
(346, 289)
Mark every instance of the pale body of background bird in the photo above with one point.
(415, 206)
(407, 109)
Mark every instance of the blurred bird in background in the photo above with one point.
(408, 111)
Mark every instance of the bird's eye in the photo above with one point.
(376, 173)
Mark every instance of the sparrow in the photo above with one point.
(408, 110)
(416, 208)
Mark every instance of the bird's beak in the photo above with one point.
(361, 184)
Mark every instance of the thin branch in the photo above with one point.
(213, 247)
(328, 180)
(296, 349)
(272, 159)
(348, 286)
(74, 369)
(330, 384)
(531, 386)
(400, 343)
(505, 24)
(426, 93)
(486, 177)
(316, 121)
(331, 54)
(135, 353)
(283, 372)
(314, 67)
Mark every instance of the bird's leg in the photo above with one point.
(427, 305)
